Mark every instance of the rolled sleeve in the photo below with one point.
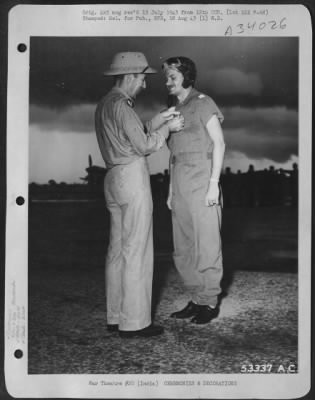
(209, 108)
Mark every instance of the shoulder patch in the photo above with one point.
(130, 103)
(201, 96)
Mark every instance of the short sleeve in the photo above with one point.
(208, 108)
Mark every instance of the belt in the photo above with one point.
(124, 164)
(190, 156)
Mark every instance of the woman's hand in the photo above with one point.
(212, 195)
(169, 197)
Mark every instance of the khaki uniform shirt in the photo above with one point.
(197, 110)
(121, 134)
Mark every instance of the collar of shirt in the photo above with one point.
(130, 100)
(191, 94)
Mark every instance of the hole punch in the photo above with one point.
(18, 354)
(22, 47)
(20, 200)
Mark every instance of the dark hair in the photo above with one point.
(186, 67)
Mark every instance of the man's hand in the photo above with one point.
(170, 113)
(212, 196)
(176, 124)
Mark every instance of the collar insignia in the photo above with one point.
(130, 103)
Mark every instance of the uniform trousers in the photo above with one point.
(129, 260)
(196, 228)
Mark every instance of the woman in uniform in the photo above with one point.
(194, 195)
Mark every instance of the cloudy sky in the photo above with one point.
(254, 81)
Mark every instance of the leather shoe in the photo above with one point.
(112, 327)
(151, 330)
(189, 311)
(205, 314)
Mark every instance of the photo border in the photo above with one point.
(17, 185)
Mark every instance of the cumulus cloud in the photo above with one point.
(239, 161)
(260, 136)
(80, 118)
(59, 156)
(261, 133)
(77, 118)
(233, 81)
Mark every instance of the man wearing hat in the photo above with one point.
(124, 142)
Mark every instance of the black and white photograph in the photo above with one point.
(162, 200)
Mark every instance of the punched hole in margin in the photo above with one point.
(22, 47)
(20, 200)
(18, 354)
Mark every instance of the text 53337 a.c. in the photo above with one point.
(268, 368)
(256, 368)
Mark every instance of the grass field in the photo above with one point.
(67, 318)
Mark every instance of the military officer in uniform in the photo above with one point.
(124, 142)
(194, 196)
